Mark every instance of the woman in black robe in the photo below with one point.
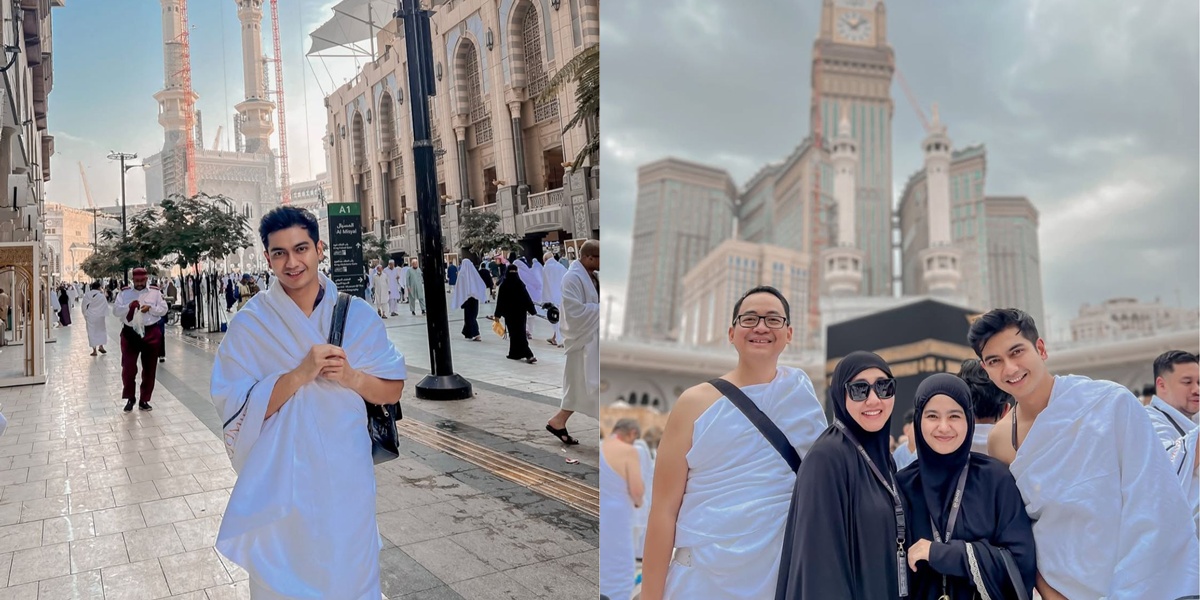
(990, 519)
(64, 300)
(514, 304)
(843, 531)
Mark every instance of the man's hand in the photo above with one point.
(145, 309)
(917, 552)
(318, 359)
(342, 373)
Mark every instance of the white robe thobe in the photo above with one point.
(532, 281)
(552, 276)
(95, 311)
(1183, 461)
(301, 517)
(581, 331)
(1110, 520)
(641, 514)
(1168, 421)
(380, 291)
(470, 285)
(393, 280)
(617, 567)
(979, 442)
(416, 289)
(404, 279)
(151, 297)
(730, 528)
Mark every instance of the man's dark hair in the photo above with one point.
(987, 400)
(998, 320)
(909, 417)
(1149, 389)
(284, 217)
(763, 289)
(1166, 362)
(95, 285)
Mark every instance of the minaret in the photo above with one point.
(843, 260)
(941, 260)
(256, 109)
(171, 114)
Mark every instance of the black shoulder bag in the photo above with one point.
(760, 420)
(381, 420)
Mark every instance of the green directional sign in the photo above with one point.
(346, 267)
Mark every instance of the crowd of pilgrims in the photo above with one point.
(1072, 488)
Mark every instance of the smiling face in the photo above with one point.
(1016, 365)
(294, 256)
(871, 414)
(760, 340)
(1180, 387)
(943, 424)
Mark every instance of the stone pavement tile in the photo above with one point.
(29, 591)
(438, 593)
(23, 491)
(36, 564)
(108, 479)
(548, 541)
(5, 563)
(134, 493)
(37, 510)
(158, 455)
(148, 472)
(239, 590)
(120, 519)
(169, 510)
(186, 466)
(197, 534)
(195, 570)
(218, 479)
(10, 513)
(58, 486)
(196, 595)
(551, 581)
(584, 565)
(498, 551)
(396, 495)
(72, 587)
(496, 586)
(153, 542)
(92, 500)
(177, 486)
(399, 574)
(142, 580)
(21, 536)
(421, 523)
(98, 552)
(68, 528)
(86, 466)
(134, 446)
(126, 459)
(47, 471)
(235, 572)
(208, 503)
(447, 560)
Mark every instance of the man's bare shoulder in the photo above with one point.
(695, 400)
(999, 440)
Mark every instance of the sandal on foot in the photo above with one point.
(562, 435)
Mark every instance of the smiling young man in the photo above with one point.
(301, 517)
(721, 490)
(1110, 520)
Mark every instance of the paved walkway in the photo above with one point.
(98, 503)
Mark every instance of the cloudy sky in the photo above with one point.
(1091, 108)
(108, 63)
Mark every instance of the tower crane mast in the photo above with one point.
(284, 183)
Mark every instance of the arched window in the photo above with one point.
(532, 32)
(480, 117)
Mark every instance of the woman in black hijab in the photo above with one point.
(961, 538)
(513, 304)
(845, 533)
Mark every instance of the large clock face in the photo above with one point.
(854, 27)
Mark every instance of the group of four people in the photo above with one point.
(1084, 504)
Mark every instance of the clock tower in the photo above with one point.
(852, 76)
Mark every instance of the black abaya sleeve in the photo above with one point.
(1014, 533)
(816, 554)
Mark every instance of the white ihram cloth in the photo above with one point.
(903, 456)
(581, 332)
(617, 569)
(470, 285)
(1110, 520)
(95, 311)
(1168, 420)
(641, 515)
(729, 532)
(1183, 461)
(380, 291)
(301, 518)
(552, 276)
(532, 281)
(55, 305)
(979, 442)
(393, 279)
(141, 320)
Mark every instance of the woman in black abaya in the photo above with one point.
(515, 306)
(842, 532)
(989, 521)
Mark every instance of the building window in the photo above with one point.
(481, 118)
(535, 67)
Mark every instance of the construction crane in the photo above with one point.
(217, 140)
(284, 182)
(189, 102)
(87, 190)
(817, 234)
(912, 100)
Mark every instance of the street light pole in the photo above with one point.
(123, 156)
(442, 383)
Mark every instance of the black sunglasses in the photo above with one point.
(860, 390)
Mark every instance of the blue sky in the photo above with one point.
(108, 63)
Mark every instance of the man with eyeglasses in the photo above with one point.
(1110, 519)
(722, 489)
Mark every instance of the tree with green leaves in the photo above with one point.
(584, 71)
(374, 247)
(116, 254)
(199, 228)
(481, 234)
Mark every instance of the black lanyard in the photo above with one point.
(954, 506)
(1171, 421)
(901, 563)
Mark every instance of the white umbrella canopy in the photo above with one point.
(355, 21)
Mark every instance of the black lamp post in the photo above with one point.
(123, 156)
(443, 383)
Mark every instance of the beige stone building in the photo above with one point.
(69, 235)
(497, 149)
(1130, 318)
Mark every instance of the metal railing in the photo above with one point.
(546, 199)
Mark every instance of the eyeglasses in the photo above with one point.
(750, 321)
(860, 390)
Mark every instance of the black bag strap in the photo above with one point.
(760, 420)
(338, 327)
(1014, 575)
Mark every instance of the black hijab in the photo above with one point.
(939, 472)
(512, 298)
(877, 444)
